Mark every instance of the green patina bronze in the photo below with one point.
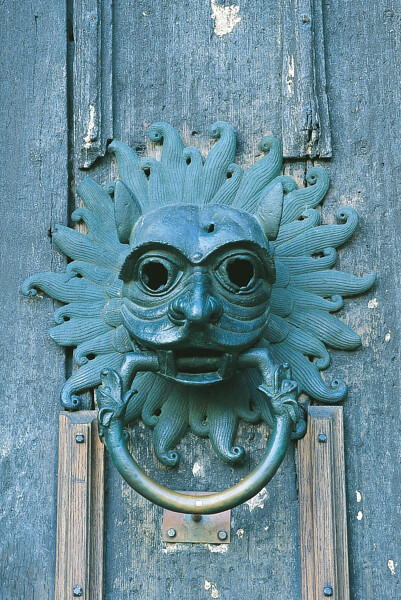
(280, 396)
(195, 281)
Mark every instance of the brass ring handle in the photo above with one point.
(111, 418)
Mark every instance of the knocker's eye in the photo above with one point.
(239, 272)
(157, 275)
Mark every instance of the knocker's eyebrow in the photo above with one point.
(137, 253)
(197, 257)
(239, 246)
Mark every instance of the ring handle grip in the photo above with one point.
(285, 410)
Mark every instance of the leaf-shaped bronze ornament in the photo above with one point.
(187, 268)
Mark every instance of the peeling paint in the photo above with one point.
(169, 549)
(358, 495)
(218, 548)
(240, 533)
(225, 18)
(258, 501)
(387, 337)
(90, 137)
(198, 469)
(359, 516)
(172, 548)
(391, 565)
(211, 586)
(373, 303)
(290, 76)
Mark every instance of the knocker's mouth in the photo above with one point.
(196, 366)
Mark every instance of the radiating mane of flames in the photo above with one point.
(306, 292)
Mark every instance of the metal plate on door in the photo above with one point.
(196, 529)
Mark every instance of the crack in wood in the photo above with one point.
(306, 123)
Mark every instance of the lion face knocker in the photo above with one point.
(201, 295)
(197, 285)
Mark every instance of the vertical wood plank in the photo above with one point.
(305, 124)
(79, 560)
(97, 515)
(323, 507)
(323, 527)
(92, 79)
(33, 189)
(170, 65)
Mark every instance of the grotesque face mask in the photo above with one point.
(193, 264)
(197, 283)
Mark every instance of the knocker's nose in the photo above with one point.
(196, 308)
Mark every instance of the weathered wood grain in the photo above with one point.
(33, 188)
(363, 44)
(170, 64)
(92, 79)
(322, 506)
(80, 508)
(305, 113)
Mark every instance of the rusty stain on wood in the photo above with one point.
(322, 505)
(80, 508)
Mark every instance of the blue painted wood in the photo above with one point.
(34, 192)
(305, 111)
(170, 64)
(363, 74)
(91, 30)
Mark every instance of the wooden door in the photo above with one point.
(79, 74)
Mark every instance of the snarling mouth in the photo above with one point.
(196, 366)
